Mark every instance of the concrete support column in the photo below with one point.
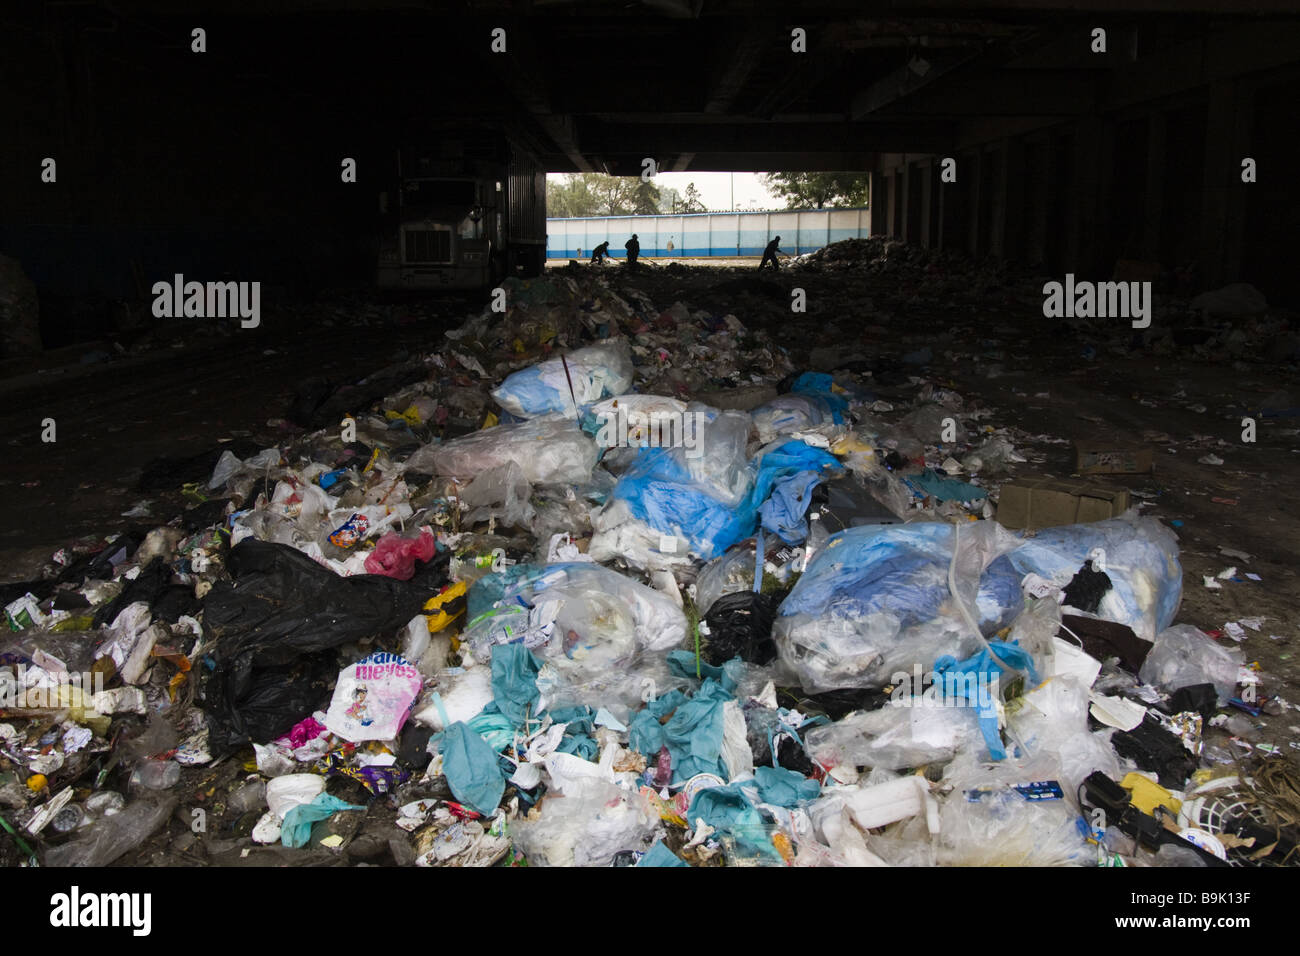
(1223, 209)
(1011, 193)
(1155, 185)
(1085, 197)
(877, 224)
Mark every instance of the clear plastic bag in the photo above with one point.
(595, 372)
(786, 414)
(587, 830)
(603, 620)
(1141, 560)
(894, 737)
(698, 493)
(1005, 829)
(110, 837)
(1183, 655)
(548, 450)
(878, 600)
(637, 420)
(502, 493)
(726, 574)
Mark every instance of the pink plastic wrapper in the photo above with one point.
(395, 556)
(304, 731)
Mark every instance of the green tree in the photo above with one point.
(818, 190)
(692, 202)
(644, 200)
(595, 194)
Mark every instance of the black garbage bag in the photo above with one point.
(273, 631)
(740, 625)
(147, 586)
(172, 471)
(1103, 639)
(98, 565)
(1156, 750)
(1087, 588)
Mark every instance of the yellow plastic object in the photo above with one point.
(442, 614)
(1147, 795)
(491, 420)
(411, 416)
(36, 782)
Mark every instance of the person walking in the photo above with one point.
(770, 253)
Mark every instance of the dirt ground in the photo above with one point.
(114, 417)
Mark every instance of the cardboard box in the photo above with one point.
(1113, 458)
(1046, 503)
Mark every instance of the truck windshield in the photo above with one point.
(438, 193)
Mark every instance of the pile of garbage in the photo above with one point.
(599, 584)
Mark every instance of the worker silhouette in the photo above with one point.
(769, 254)
(633, 250)
(600, 253)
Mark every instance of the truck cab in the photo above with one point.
(450, 224)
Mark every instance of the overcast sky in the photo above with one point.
(715, 189)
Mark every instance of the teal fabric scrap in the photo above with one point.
(295, 831)
(660, 855)
(646, 735)
(693, 735)
(514, 682)
(945, 489)
(494, 727)
(785, 788)
(729, 812)
(682, 664)
(471, 768)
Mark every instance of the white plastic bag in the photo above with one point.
(549, 450)
(592, 373)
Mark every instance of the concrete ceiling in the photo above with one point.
(693, 84)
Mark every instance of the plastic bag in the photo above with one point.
(549, 450)
(603, 620)
(394, 556)
(1005, 829)
(1141, 560)
(111, 836)
(1183, 656)
(876, 600)
(587, 830)
(637, 421)
(228, 465)
(894, 737)
(459, 696)
(593, 373)
(267, 633)
(740, 625)
(789, 413)
(501, 493)
(726, 574)
(700, 494)
(373, 697)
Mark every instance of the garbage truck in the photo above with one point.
(462, 215)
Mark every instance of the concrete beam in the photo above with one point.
(655, 139)
(903, 82)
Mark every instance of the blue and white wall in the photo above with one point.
(717, 234)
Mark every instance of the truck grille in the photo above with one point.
(428, 245)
